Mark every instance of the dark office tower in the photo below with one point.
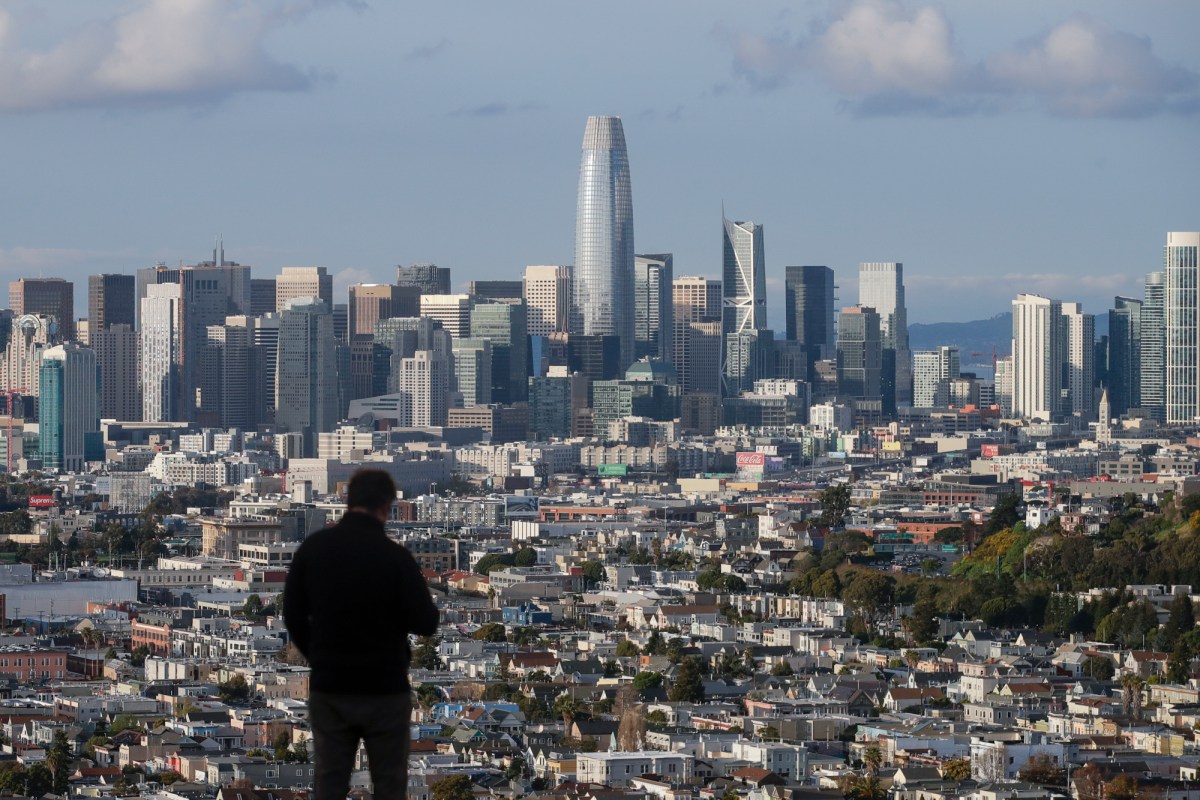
(369, 303)
(341, 322)
(602, 290)
(429, 278)
(51, 297)
(1153, 382)
(1124, 355)
(306, 381)
(859, 354)
(504, 324)
(597, 358)
(112, 314)
(112, 300)
(117, 364)
(809, 308)
(652, 306)
(496, 290)
(225, 385)
(262, 296)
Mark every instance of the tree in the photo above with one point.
(631, 731)
(958, 769)
(515, 769)
(1181, 620)
(1088, 782)
(647, 680)
(687, 687)
(1004, 514)
(782, 669)
(626, 648)
(769, 733)
(491, 632)
(280, 744)
(593, 571)
(253, 607)
(234, 690)
(425, 654)
(1179, 663)
(494, 561)
(1131, 695)
(656, 717)
(566, 706)
(873, 759)
(123, 722)
(835, 504)
(58, 760)
(300, 752)
(428, 695)
(525, 557)
(922, 624)
(1041, 769)
(452, 787)
(1099, 668)
(1122, 787)
(869, 596)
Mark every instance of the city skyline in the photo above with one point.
(973, 187)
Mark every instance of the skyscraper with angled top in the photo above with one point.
(602, 291)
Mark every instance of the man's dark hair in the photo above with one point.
(372, 489)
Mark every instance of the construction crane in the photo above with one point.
(10, 393)
(994, 355)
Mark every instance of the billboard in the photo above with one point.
(42, 501)
(751, 461)
(613, 470)
(520, 506)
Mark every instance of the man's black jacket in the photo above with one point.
(351, 599)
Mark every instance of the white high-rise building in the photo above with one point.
(1002, 386)
(881, 287)
(424, 381)
(161, 333)
(1080, 363)
(1038, 345)
(933, 370)
(293, 282)
(1181, 259)
(547, 292)
(452, 310)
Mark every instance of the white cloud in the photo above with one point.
(886, 58)
(158, 51)
(1084, 68)
(879, 46)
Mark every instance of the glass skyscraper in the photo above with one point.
(881, 287)
(602, 290)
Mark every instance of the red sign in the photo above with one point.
(751, 460)
(990, 450)
(42, 501)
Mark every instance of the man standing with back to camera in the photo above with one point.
(351, 599)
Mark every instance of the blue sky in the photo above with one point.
(993, 146)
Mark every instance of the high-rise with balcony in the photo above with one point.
(1153, 349)
(881, 287)
(1079, 364)
(602, 286)
(1039, 342)
(1181, 257)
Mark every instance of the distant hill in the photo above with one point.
(979, 336)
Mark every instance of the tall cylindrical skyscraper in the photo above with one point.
(602, 290)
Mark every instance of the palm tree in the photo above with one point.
(566, 705)
(1131, 694)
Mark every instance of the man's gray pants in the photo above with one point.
(339, 721)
